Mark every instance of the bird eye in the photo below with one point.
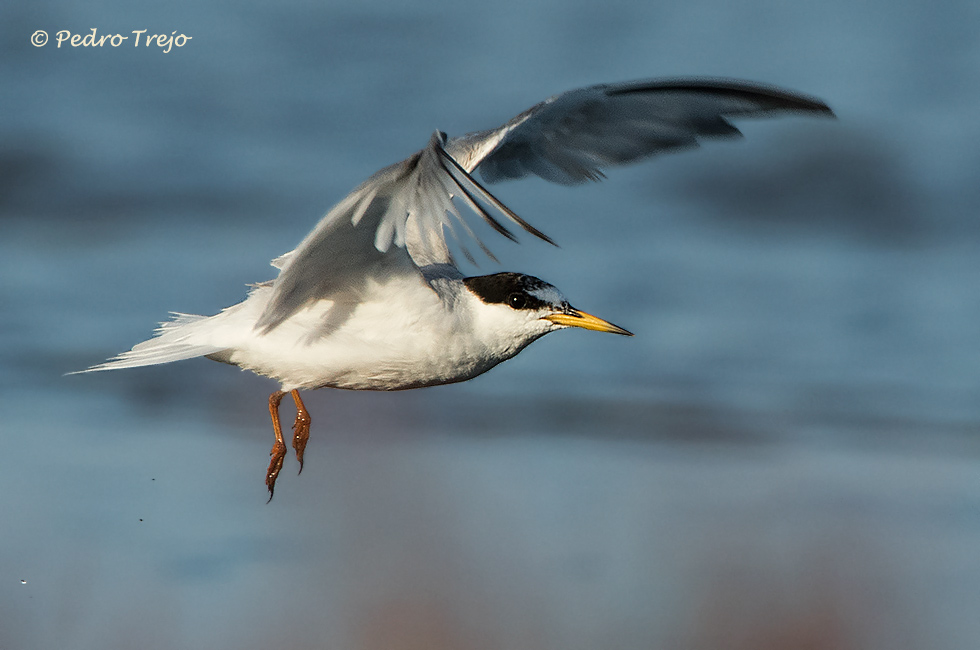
(517, 300)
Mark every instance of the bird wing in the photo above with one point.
(571, 137)
(397, 220)
(393, 223)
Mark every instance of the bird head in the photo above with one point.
(529, 308)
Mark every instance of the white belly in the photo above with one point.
(407, 337)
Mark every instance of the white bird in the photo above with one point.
(372, 299)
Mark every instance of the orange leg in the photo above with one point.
(301, 428)
(278, 452)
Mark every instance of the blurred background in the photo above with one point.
(785, 456)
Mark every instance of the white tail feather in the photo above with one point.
(178, 339)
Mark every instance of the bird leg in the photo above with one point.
(301, 428)
(278, 452)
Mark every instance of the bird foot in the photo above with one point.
(278, 454)
(301, 435)
(301, 430)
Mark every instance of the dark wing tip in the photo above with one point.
(772, 97)
(458, 174)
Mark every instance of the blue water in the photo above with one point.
(785, 453)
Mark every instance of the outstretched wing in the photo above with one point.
(571, 137)
(397, 220)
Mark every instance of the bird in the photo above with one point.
(373, 298)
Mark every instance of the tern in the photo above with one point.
(372, 298)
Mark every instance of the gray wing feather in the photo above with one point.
(396, 221)
(571, 137)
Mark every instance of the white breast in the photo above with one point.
(408, 334)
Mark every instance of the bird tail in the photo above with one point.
(184, 337)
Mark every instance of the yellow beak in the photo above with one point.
(576, 318)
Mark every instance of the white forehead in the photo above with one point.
(548, 294)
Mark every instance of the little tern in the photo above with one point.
(372, 298)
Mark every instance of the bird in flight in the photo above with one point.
(372, 298)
